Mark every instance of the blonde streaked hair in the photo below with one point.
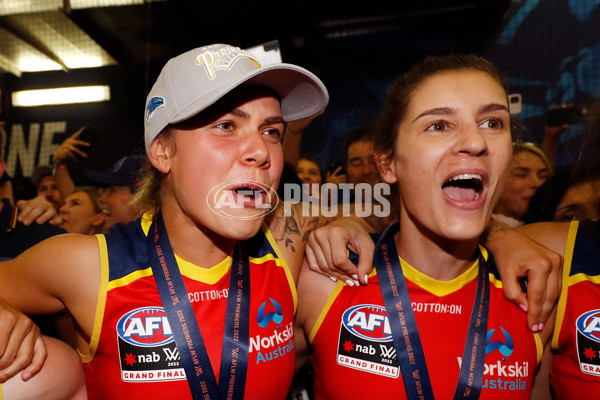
(519, 147)
(149, 195)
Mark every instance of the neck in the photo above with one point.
(439, 258)
(192, 242)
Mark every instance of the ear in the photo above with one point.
(159, 155)
(99, 219)
(387, 169)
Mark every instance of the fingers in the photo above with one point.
(364, 247)
(553, 286)
(513, 293)
(77, 133)
(79, 152)
(56, 220)
(37, 209)
(536, 295)
(17, 344)
(326, 254)
(543, 289)
(40, 354)
(47, 215)
(29, 210)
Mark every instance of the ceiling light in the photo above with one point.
(65, 95)
(11, 7)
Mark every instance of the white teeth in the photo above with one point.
(466, 176)
(476, 196)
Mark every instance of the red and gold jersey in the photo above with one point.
(133, 354)
(353, 354)
(575, 370)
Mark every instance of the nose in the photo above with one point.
(62, 210)
(369, 167)
(470, 141)
(255, 151)
(536, 181)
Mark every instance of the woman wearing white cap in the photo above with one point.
(223, 257)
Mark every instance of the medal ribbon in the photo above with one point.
(181, 317)
(406, 334)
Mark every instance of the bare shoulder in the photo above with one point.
(290, 229)
(60, 272)
(64, 251)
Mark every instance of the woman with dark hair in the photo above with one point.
(570, 194)
(445, 143)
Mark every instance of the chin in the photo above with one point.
(242, 229)
(464, 230)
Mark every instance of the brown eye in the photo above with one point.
(438, 126)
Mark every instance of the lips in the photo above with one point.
(464, 187)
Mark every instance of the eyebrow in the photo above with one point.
(450, 111)
(436, 111)
(492, 107)
(268, 121)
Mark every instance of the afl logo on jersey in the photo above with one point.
(145, 326)
(588, 324)
(368, 321)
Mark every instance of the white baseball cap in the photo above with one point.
(193, 81)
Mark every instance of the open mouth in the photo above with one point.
(249, 195)
(464, 187)
(253, 198)
(248, 191)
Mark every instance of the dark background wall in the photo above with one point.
(549, 50)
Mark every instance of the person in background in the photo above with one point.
(83, 212)
(309, 172)
(570, 367)
(360, 159)
(529, 169)
(118, 187)
(46, 185)
(569, 194)
(17, 236)
(6, 189)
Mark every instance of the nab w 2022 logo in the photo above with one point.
(365, 342)
(264, 319)
(505, 347)
(145, 326)
(147, 349)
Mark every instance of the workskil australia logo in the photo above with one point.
(588, 342)
(504, 373)
(274, 316)
(275, 340)
(147, 349)
(365, 341)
